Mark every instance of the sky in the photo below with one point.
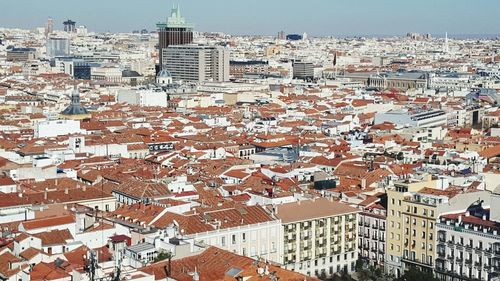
(267, 17)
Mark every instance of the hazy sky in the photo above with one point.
(316, 17)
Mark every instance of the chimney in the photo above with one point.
(459, 219)
(66, 190)
(45, 195)
(484, 217)
(20, 194)
(84, 188)
(467, 213)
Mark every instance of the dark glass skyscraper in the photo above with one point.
(175, 31)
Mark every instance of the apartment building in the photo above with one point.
(247, 230)
(468, 245)
(196, 63)
(413, 211)
(395, 208)
(372, 240)
(319, 236)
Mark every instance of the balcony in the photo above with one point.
(416, 262)
(441, 254)
(468, 261)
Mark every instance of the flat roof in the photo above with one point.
(312, 209)
(141, 247)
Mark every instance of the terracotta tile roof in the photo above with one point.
(47, 222)
(6, 259)
(30, 253)
(47, 271)
(213, 264)
(208, 220)
(6, 181)
(140, 189)
(490, 152)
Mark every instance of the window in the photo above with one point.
(233, 239)
(223, 241)
(243, 237)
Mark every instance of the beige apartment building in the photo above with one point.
(413, 209)
(319, 236)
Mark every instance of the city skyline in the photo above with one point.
(317, 18)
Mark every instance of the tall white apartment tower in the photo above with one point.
(196, 63)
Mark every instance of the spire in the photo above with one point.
(445, 47)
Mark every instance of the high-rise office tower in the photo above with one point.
(175, 31)
(57, 47)
(303, 70)
(69, 26)
(49, 27)
(281, 35)
(197, 63)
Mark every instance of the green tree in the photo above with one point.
(163, 255)
(415, 274)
